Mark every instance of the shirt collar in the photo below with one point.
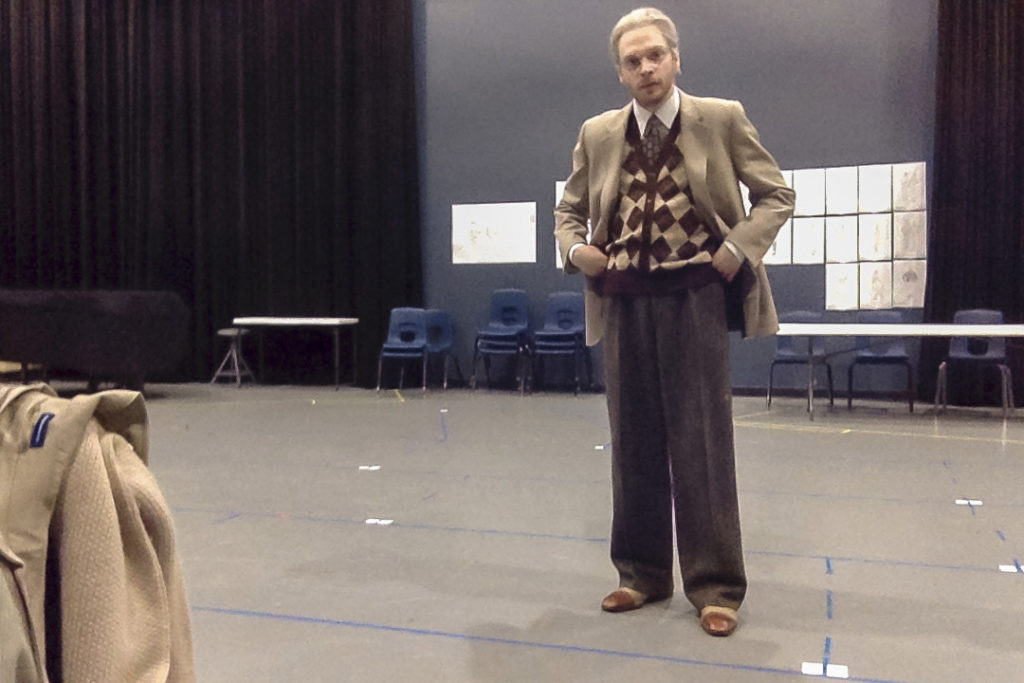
(666, 112)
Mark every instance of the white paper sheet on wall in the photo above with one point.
(781, 251)
(876, 285)
(494, 233)
(874, 188)
(809, 239)
(841, 190)
(910, 236)
(809, 185)
(908, 283)
(841, 288)
(874, 236)
(908, 185)
(840, 239)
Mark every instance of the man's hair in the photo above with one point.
(638, 18)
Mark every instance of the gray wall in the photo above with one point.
(504, 86)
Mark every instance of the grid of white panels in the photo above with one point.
(867, 225)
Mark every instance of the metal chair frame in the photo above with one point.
(965, 351)
(440, 339)
(563, 334)
(793, 351)
(406, 340)
(880, 351)
(506, 334)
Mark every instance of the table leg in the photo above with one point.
(353, 355)
(259, 337)
(337, 343)
(810, 376)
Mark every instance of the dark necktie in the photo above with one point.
(654, 139)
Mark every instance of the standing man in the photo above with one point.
(673, 263)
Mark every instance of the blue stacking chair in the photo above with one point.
(793, 351)
(407, 339)
(980, 352)
(880, 351)
(563, 334)
(440, 339)
(506, 334)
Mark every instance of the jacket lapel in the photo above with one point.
(614, 141)
(694, 141)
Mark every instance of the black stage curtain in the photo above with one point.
(976, 246)
(257, 157)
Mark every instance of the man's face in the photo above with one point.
(647, 66)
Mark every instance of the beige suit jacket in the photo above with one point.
(720, 148)
(76, 496)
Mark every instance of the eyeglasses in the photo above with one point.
(655, 55)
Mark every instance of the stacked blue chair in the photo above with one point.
(880, 351)
(406, 340)
(794, 351)
(980, 352)
(440, 339)
(563, 334)
(507, 334)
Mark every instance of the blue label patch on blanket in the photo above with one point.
(39, 431)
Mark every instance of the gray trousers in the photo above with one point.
(669, 397)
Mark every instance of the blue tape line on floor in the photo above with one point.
(830, 561)
(497, 532)
(832, 497)
(506, 641)
(868, 560)
(233, 515)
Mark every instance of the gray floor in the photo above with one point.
(489, 555)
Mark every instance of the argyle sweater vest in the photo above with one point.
(657, 243)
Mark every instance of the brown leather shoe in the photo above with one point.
(623, 600)
(718, 621)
